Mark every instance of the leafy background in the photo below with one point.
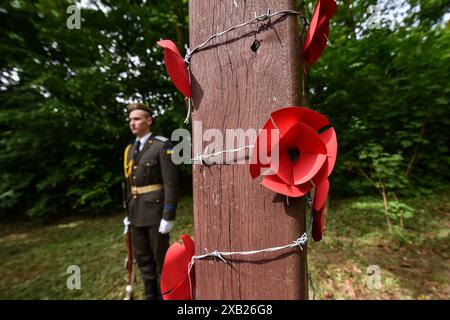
(63, 93)
(63, 131)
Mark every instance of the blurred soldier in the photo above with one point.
(152, 182)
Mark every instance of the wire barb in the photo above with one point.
(201, 158)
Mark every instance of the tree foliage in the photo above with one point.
(62, 120)
(63, 92)
(386, 92)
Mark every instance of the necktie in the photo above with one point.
(136, 150)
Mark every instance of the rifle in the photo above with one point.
(129, 260)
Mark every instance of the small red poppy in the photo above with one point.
(176, 67)
(175, 282)
(318, 31)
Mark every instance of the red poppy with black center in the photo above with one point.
(298, 157)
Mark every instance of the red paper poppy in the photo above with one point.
(176, 67)
(175, 283)
(303, 157)
(318, 31)
(293, 157)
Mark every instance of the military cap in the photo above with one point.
(138, 106)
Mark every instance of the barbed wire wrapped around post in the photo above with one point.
(200, 158)
(298, 243)
(217, 254)
(257, 19)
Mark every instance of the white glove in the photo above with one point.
(165, 226)
(126, 223)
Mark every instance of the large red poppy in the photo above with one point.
(176, 67)
(294, 158)
(318, 31)
(176, 284)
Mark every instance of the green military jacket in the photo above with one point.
(153, 166)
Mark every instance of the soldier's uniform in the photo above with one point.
(152, 184)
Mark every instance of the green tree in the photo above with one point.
(63, 92)
(387, 87)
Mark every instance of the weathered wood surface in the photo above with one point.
(234, 87)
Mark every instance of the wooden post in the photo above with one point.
(235, 87)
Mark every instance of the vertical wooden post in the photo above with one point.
(235, 87)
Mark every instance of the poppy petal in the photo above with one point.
(320, 195)
(175, 268)
(180, 292)
(260, 158)
(321, 175)
(312, 26)
(188, 245)
(174, 276)
(311, 151)
(330, 140)
(317, 47)
(281, 164)
(318, 222)
(306, 140)
(308, 166)
(285, 118)
(176, 67)
(275, 184)
(318, 31)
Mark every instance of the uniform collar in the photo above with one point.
(144, 139)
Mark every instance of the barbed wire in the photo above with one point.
(257, 19)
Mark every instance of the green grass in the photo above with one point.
(414, 265)
(35, 257)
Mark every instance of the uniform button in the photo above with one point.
(135, 167)
(134, 177)
(134, 197)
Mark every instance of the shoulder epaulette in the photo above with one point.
(161, 138)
